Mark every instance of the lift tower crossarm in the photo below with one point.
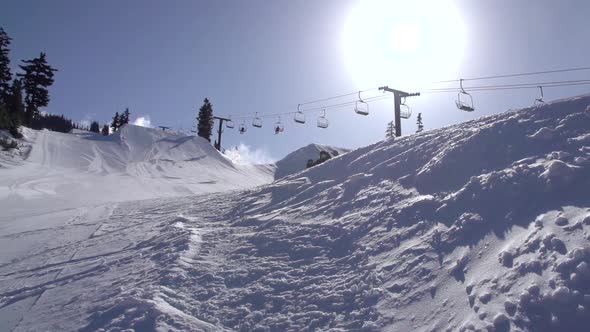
(218, 143)
(397, 97)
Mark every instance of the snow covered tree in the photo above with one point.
(94, 127)
(116, 121)
(390, 131)
(105, 130)
(419, 123)
(205, 120)
(5, 75)
(124, 119)
(37, 77)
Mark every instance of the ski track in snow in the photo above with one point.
(479, 226)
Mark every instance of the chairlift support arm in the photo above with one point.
(397, 97)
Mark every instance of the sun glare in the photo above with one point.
(402, 42)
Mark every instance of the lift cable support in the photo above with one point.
(540, 100)
(220, 131)
(163, 128)
(397, 97)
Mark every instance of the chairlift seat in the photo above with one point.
(229, 124)
(464, 107)
(242, 129)
(323, 122)
(257, 123)
(465, 103)
(361, 108)
(299, 117)
(405, 112)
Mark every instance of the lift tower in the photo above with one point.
(397, 97)
(219, 131)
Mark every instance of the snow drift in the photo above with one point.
(478, 226)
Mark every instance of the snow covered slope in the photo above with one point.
(134, 163)
(479, 226)
(297, 160)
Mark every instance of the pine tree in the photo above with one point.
(5, 75)
(205, 119)
(116, 122)
(390, 131)
(37, 77)
(105, 130)
(95, 127)
(419, 123)
(124, 119)
(15, 107)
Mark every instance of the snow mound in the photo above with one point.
(296, 161)
(134, 163)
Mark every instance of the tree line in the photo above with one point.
(24, 94)
(32, 81)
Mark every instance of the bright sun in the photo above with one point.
(402, 42)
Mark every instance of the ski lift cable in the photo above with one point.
(511, 87)
(446, 90)
(533, 84)
(337, 97)
(516, 75)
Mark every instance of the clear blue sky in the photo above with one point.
(162, 58)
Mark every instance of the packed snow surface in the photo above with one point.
(479, 226)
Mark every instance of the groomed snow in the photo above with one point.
(479, 226)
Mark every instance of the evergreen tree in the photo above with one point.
(4, 118)
(124, 119)
(116, 122)
(105, 130)
(15, 107)
(5, 75)
(419, 123)
(37, 77)
(205, 120)
(95, 127)
(390, 131)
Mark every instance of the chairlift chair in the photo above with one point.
(464, 100)
(229, 123)
(279, 128)
(361, 107)
(299, 116)
(405, 110)
(242, 128)
(257, 122)
(540, 100)
(323, 121)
